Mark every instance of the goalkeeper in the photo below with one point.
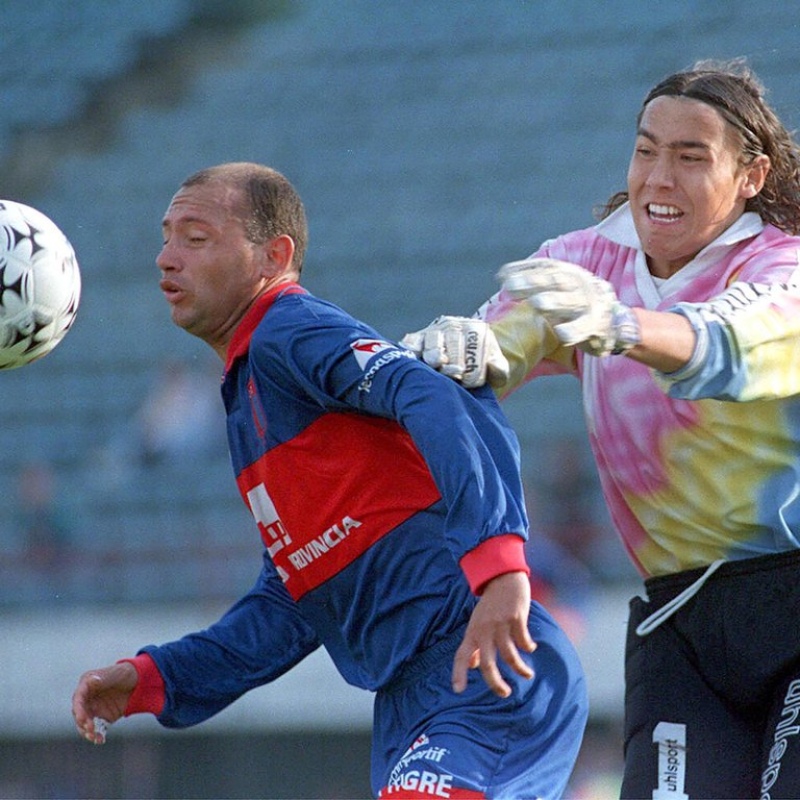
(390, 506)
(680, 314)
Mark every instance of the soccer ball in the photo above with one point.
(40, 284)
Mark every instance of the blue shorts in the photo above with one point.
(430, 742)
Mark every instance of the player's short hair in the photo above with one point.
(272, 205)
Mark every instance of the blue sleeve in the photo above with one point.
(746, 339)
(261, 637)
(468, 445)
(465, 439)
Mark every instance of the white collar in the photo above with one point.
(619, 228)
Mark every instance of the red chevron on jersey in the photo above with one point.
(323, 517)
(365, 349)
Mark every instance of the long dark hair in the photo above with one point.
(732, 88)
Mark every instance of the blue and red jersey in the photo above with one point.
(385, 494)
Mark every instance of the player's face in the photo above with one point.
(685, 182)
(210, 272)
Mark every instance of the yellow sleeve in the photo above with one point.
(526, 340)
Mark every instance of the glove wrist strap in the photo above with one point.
(627, 332)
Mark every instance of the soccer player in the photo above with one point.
(680, 314)
(389, 502)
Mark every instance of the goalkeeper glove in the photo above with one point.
(582, 309)
(463, 348)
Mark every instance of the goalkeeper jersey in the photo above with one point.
(385, 495)
(704, 463)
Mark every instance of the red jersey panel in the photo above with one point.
(312, 534)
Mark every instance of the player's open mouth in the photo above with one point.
(660, 213)
(171, 290)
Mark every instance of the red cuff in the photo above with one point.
(495, 556)
(149, 694)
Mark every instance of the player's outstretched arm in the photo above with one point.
(584, 312)
(498, 628)
(102, 694)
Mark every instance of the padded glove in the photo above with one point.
(463, 348)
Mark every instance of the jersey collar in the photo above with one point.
(240, 342)
(619, 228)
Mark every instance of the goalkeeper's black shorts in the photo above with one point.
(712, 705)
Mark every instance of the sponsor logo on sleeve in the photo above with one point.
(376, 353)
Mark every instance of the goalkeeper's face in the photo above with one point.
(210, 271)
(686, 180)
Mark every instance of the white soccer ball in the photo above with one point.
(40, 284)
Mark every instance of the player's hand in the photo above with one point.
(463, 348)
(498, 627)
(102, 694)
(582, 309)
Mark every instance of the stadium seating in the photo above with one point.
(431, 141)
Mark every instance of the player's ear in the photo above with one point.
(279, 254)
(755, 176)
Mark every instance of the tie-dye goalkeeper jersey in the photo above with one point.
(703, 463)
